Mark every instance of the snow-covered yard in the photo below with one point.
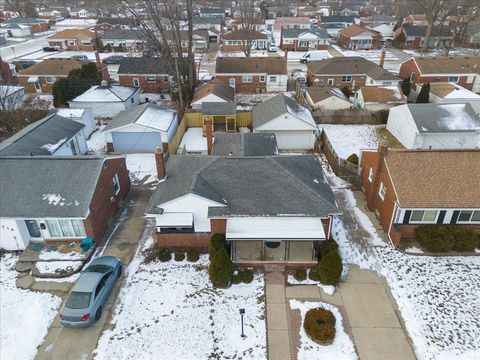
(372, 55)
(350, 139)
(97, 142)
(194, 141)
(141, 165)
(25, 315)
(171, 311)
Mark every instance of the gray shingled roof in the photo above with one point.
(41, 137)
(415, 30)
(245, 144)
(48, 186)
(114, 34)
(142, 65)
(219, 108)
(23, 20)
(250, 186)
(295, 33)
(337, 19)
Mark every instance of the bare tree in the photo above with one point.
(463, 17)
(23, 8)
(247, 22)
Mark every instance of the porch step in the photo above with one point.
(274, 268)
(277, 277)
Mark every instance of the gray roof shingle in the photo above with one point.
(121, 34)
(245, 144)
(219, 108)
(142, 65)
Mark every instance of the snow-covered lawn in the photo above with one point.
(372, 55)
(342, 347)
(141, 165)
(194, 141)
(50, 267)
(253, 99)
(171, 311)
(328, 289)
(25, 315)
(97, 143)
(350, 139)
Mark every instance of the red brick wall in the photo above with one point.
(183, 240)
(158, 86)
(244, 87)
(36, 28)
(327, 223)
(218, 226)
(30, 87)
(337, 80)
(101, 208)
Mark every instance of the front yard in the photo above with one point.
(170, 310)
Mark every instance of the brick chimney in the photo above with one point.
(382, 58)
(209, 134)
(160, 163)
(373, 196)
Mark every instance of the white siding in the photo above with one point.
(100, 109)
(209, 98)
(65, 149)
(13, 234)
(279, 85)
(295, 140)
(331, 103)
(402, 126)
(450, 141)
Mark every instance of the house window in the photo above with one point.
(469, 216)
(50, 79)
(165, 78)
(247, 78)
(382, 191)
(453, 79)
(71, 43)
(409, 42)
(273, 79)
(151, 79)
(231, 82)
(424, 216)
(346, 78)
(330, 82)
(116, 184)
(65, 228)
(370, 174)
(304, 44)
(287, 41)
(136, 83)
(262, 78)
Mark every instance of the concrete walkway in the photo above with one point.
(78, 344)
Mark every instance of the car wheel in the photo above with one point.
(119, 272)
(98, 314)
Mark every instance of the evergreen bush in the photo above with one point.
(220, 269)
(330, 268)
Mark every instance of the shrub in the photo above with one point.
(424, 94)
(216, 242)
(246, 276)
(164, 255)
(330, 268)
(353, 159)
(220, 269)
(465, 240)
(179, 256)
(236, 278)
(406, 86)
(319, 324)
(300, 274)
(326, 246)
(435, 238)
(313, 275)
(193, 255)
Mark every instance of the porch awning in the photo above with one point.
(32, 79)
(175, 219)
(282, 228)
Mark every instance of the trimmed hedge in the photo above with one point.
(179, 256)
(236, 278)
(246, 276)
(313, 274)
(217, 241)
(326, 246)
(319, 324)
(445, 238)
(165, 255)
(193, 255)
(330, 268)
(221, 269)
(300, 274)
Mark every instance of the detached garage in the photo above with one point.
(292, 124)
(141, 129)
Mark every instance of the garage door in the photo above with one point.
(136, 141)
(294, 140)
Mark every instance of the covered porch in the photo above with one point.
(273, 250)
(222, 115)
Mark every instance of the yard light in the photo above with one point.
(242, 312)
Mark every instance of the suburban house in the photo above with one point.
(410, 188)
(376, 98)
(14, 31)
(353, 72)
(414, 37)
(292, 124)
(435, 126)
(11, 97)
(69, 198)
(83, 13)
(200, 23)
(82, 116)
(52, 13)
(257, 24)
(74, 40)
(244, 198)
(241, 144)
(448, 93)
(212, 92)
(52, 135)
(290, 22)
(117, 23)
(415, 19)
(303, 39)
(39, 78)
(122, 40)
(358, 37)
(34, 25)
(141, 128)
(212, 12)
(326, 98)
(461, 70)
(253, 74)
(333, 24)
(148, 74)
(237, 40)
(200, 39)
(106, 100)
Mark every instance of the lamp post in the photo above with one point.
(242, 312)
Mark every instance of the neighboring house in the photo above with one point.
(410, 188)
(447, 93)
(270, 208)
(435, 126)
(461, 70)
(415, 36)
(200, 39)
(200, 23)
(34, 25)
(107, 100)
(74, 40)
(353, 72)
(7, 72)
(257, 24)
(376, 98)
(82, 116)
(238, 40)
(83, 13)
(149, 74)
(212, 12)
(66, 199)
(244, 144)
(15, 31)
(213, 92)
(333, 24)
(416, 19)
(141, 128)
(357, 37)
(11, 97)
(49, 13)
(122, 40)
(304, 40)
(326, 98)
(52, 135)
(124, 23)
(291, 23)
(39, 78)
(253, 74)
(292, 124)
(385, 30)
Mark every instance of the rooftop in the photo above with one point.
(248, 65)
(245, 144)
(142, 65)
(53, 67)
(106, 93)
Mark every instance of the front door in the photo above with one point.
(274, 250)
(33, 228)
(38, 88)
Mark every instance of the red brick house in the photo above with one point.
(149, 74)
(74, 40)
(414, 37)
(464, 71)
(294, 39)
(69, 198)
(410, 188)
(238, 40)
(358, 37)
(35, 25)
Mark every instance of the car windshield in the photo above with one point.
(78, 300)
(98, 268)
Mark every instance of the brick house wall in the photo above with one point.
(158, 86)
(296, 47)
(102, 209)
(37, 28)
(337, 80)
(30, 87)
(244, 87)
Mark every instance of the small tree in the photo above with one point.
(221, 269)
(217, 242)
(424, 94)
(330, 268)
(400, 40)
(406, 86)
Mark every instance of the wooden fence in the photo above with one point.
(177, 138)
(349, 117)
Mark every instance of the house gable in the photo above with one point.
(286, 121)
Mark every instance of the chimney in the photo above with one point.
(373, 196)
(382, 58)
(209, 131)
(160, 163)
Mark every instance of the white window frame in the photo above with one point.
(453, 79)
(331, 82)
(48, 79)
(382, 191)
(247, 79)
(272, 79)
(370, 174)
(116, 183)
(304, 43)
(231, 82)
(470, 218)
(70, 225)
(424, 212)
(346, 78)
(262, 78)
(136, 82)
(71, 43)
(151, 79)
